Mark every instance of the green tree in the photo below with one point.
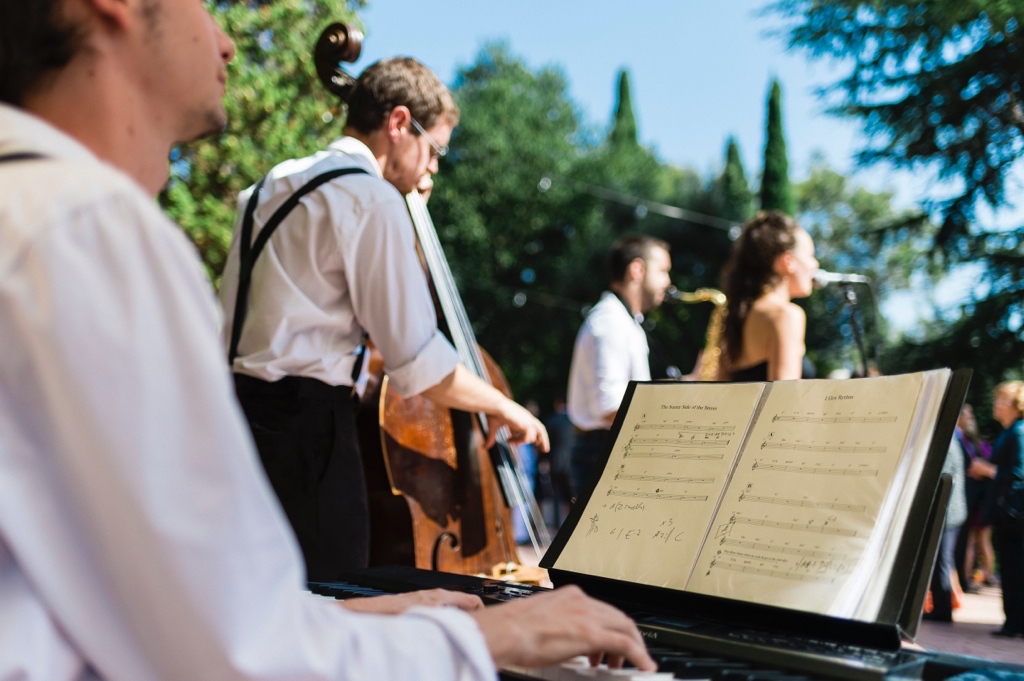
(276, 108)
(732, 188)
(939, 85)
(776, 190)
(518, 233)
(624, 126)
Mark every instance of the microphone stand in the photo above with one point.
(850, 300)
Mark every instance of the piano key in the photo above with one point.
(579, 669)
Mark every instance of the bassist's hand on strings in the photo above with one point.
(425, 186)
(523, 427)
(462, 390)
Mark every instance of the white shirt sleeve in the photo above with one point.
(391, 298)
(132, 506)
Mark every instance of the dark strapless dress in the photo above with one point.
(759, 372)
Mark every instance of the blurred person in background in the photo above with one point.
(561, 435)
(974, 545)
(944, 576)
(1007, 508)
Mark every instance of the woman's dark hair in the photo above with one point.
(33, 42)
(750, 269)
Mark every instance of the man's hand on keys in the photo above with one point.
(546, 629)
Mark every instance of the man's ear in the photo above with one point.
(637, 269)
(118, 13)
(397, 121)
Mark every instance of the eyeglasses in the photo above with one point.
(438, 149)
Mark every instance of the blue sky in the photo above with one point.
(699, 72)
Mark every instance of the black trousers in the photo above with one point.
(942, 577)
(1009, 545)
(586, 451)
(305, 433)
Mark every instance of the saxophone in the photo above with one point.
(712, 353)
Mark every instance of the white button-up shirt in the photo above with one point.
(610, 351)
(139, 539)
(344, 260)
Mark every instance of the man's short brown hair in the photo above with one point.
(399, 81)
(629, 248)
(35, 41)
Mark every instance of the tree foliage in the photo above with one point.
(733, 188)
(857, 230)
(518, 235)
(624, 128)
(938, 84)
(776, 190)
(520, 210)
(276, 108)
(934, 82)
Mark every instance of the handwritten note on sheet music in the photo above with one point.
(649, 513)
(807, 491)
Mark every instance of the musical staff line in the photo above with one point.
(800, 502)
(683, 426)
(633, 454)
(851, 449)
(673, 442)
(662, 478)
(688, 444)
(770, 573)
(798, 527)
(791, 550)
(814, 470)
(656, 495)
(834, 419)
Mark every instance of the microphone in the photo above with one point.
(823, 278)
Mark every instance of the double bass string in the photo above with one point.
(511, 471)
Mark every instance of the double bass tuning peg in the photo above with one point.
(339, 43)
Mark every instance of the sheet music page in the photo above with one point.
(808, 491)
(649, 513)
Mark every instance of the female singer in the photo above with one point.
(771, 264)
(1007, 511)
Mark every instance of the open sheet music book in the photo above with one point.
(793, 494)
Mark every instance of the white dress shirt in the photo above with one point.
(139, 539)
(610, 351)
(344, 260)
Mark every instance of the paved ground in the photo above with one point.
(970, 633)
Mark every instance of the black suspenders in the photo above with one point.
(248, 251)
(21, 156)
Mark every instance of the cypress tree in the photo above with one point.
(624, 127)
(735, 192)
(776, 191)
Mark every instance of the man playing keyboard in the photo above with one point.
(139, 539)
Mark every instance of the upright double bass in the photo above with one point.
(439, 498)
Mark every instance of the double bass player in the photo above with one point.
(342, 264)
